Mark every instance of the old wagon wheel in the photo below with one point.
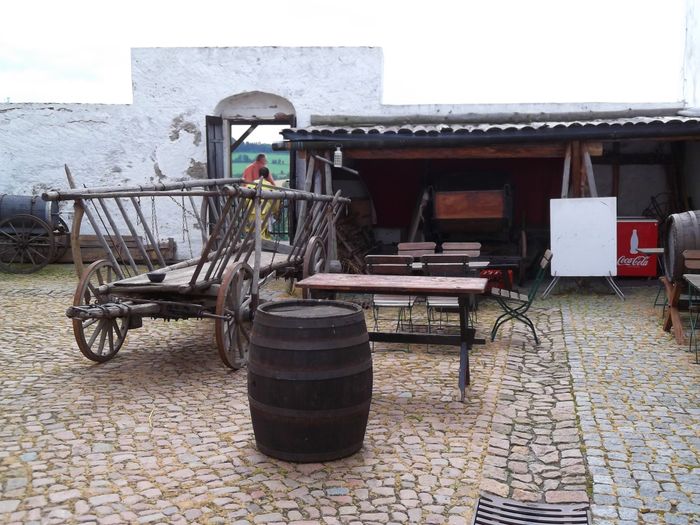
(98, 339)
(315, 261)
(26, 244)
(315, 258)
(233, 326)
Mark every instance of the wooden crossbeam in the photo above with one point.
(494, 151)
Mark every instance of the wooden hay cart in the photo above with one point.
(114, 294)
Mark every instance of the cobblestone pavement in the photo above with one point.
(162, 433)
(638, 400)
(607, 407)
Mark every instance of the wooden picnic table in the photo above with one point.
(460, 287)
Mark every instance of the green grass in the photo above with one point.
(277, 163)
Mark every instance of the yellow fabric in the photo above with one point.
(267, 207)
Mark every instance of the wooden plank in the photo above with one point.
(593, 190)
(616, 170)
(460, 246)
(91, 250)
(418, 214)
(395, 284)
(330, 163)
(566, 174)
(416, 248)
(576, 179)
(494, 151)
(485, 204)
(406, 246)
(672, 320)
(415, 338)
(245, 135)
(181, 276)
(692, 264)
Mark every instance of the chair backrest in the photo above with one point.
(691, 260)
(472, 249)
(541, 271)
(446, 265)
(416, 248)
(389, 264)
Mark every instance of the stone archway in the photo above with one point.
(256, 106)
(251, 108)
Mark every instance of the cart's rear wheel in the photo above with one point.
(315, 260)
(26, 244)
(233, 305)
(98, 339)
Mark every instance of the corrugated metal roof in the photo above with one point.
(455, 129)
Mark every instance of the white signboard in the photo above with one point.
(583, 235)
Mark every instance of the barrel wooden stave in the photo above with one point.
(682, 232)
(309, 379)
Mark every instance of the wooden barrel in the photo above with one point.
(11, 205)
(309, 379)
(682, 232)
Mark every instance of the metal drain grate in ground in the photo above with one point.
(492, 510)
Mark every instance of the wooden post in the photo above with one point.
(255, 285)
(576, 179)
(149, 234)
(616, 170)
(95, 226)
(590, 177)
(672, 318)
(308, 181)
(332, 248)
(418, 215)
(567, 173)
(122, 247)
(137, 237)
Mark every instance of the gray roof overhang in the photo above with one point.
(446, 135)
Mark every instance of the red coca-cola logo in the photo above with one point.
(639, 260)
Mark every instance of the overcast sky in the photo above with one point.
(434, 52)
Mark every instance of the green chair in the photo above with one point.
(515, 305)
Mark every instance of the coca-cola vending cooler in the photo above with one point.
(634, 233)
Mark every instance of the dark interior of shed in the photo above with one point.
(396, 186)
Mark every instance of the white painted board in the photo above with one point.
(583, 237)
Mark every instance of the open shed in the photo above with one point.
(462, 178)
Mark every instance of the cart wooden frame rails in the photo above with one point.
(114, 294)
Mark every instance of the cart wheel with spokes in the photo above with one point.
(233, 326)
(98, 339)
(315, 260)
(26, 244)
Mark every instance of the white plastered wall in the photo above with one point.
(161, 135)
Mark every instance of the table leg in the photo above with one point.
(465, 344)
(673, 316)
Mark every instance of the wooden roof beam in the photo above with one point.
(495, 151)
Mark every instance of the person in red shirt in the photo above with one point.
(252, 172)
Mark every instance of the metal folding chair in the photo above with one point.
(445, 265)
(516, 305)
(391, 265)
